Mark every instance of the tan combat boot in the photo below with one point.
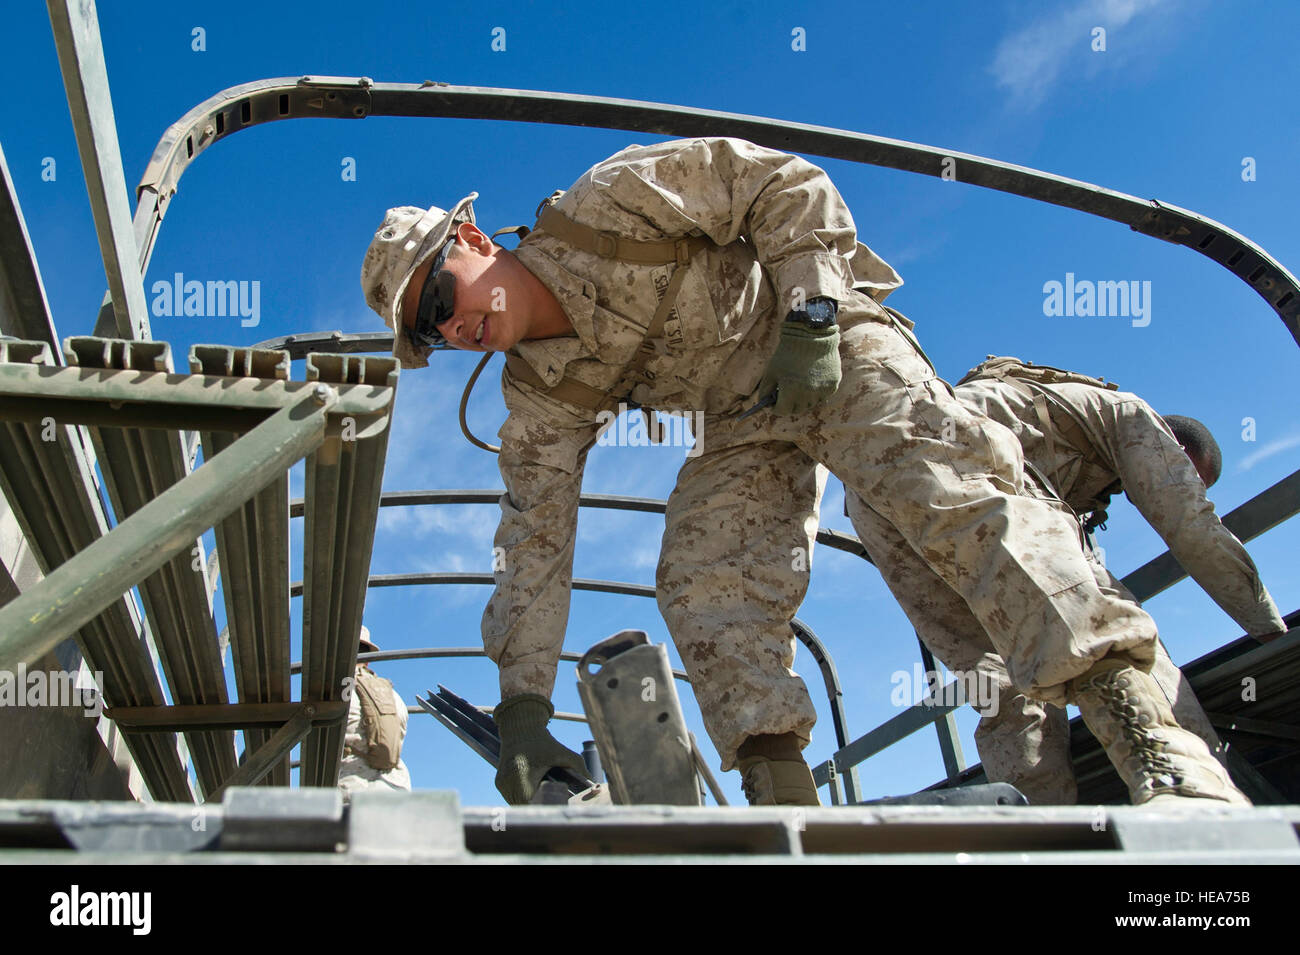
(773, 772)
(1161, 763)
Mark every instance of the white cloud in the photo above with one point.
(832, 505)
(646, 557)
(1269, 450)
(426, 449)
(1031, 60)
(926, 248)
(462, 521)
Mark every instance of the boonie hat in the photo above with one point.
(364, 643)
(407, 237)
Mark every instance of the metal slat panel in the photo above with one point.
(343, 484)
(50, 489)
(253, 547)
(138, 464)
(97, 576)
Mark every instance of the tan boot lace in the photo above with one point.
(1157, 767)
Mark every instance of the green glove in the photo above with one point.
(805, 370)
(528, 750)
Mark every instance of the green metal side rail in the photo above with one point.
(338, 420)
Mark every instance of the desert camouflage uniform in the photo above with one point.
(1025, 742)
(946, 478)
(355, 773)
(1131, 444)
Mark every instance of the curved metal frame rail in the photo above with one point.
(337, 97)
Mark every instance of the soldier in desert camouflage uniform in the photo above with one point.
(362, 768)
(701, 276)
(1087, 443)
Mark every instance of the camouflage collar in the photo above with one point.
(549, 356)
(577, 297)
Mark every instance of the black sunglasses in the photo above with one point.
(437, 304)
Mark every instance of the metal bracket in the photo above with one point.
(631, 702)
(264, 759)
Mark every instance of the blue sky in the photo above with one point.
(1182, 94)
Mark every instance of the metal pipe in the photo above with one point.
(472, 740)
(837, 540)
(945, 726)
(701, 767)
(336, 343)
(425, 653)
(85, 77)
(222, 715)
(1262, 512)
(899, 727)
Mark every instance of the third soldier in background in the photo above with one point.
(376, 727)
(1086, 441)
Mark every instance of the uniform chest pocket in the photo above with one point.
(692, 320)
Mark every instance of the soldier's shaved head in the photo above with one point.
(1199, 444)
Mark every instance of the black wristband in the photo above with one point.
(817, 313)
